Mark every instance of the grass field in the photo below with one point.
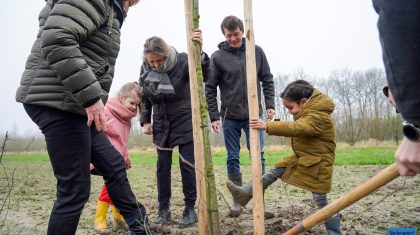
(28, 192)
(378, 155)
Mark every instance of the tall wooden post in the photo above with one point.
(254, 135)
(207, 205)
(198, 137)
(385, 176)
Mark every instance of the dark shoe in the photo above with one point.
(333, 225)
(164, 216)
(141, 228)
(189, 217)
(268, 214)
(141, 231)
(141, 225)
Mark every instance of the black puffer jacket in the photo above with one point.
(72, 61)
(228, 72)
(172, 121)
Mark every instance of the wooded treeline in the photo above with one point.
(362, 111)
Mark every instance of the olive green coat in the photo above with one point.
(313, 141)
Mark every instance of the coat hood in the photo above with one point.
(318, 102)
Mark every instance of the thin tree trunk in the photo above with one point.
(208, 222)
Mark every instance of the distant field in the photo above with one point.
(370, 155)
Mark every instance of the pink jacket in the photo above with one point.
(118, 121)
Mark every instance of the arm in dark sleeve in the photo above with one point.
(146, 115)
(205, 66)
(266, 78)
(67, 25)
(398, 26)
(211, 91)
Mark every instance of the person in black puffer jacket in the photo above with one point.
(63, 89)
(165, 80)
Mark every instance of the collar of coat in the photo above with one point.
(121, 14)
(318, 102)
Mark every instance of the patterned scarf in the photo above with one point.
(156, 80)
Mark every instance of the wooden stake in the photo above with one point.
(197, 134)
(254, 135)
(379, 180)
(208, 222)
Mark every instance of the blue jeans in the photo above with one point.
(72, 146)
(232, 134)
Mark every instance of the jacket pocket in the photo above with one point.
(102, 72)
(309, 166)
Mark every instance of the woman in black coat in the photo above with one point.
(165, 80)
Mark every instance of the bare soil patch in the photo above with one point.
(395, 205)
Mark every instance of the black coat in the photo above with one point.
(228, 72)
(172, 121)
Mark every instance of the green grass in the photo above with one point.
(383, 155)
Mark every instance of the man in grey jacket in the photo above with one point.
(63, 89)
(228, 72)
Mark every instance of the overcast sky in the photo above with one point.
(318, 36)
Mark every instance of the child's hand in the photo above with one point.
(257, 124)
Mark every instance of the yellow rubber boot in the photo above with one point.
(100, 219)
(119, 222)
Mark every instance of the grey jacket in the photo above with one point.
(71, 64)
(228, 72)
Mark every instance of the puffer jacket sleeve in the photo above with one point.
(310, 125)
(70, 23)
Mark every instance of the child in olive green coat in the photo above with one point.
(312, 133)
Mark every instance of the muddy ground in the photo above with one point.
(395, 205)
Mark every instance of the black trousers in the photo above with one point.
(163, 173)
(72, 146)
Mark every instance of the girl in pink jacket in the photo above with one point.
(118, 113)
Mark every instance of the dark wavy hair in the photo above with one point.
(231, 23)
(297, 90)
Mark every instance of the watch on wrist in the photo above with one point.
(411, 131)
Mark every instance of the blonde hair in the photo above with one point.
(132, 88)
